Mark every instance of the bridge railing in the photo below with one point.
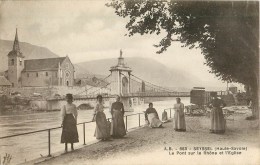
(157, 94)
(84, 130)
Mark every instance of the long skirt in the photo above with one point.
(69, 130)
(154, 122)
(218, 123)
(118, 125)
(164, 116)
(179, 121)
(102, 127)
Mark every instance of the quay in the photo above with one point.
(151, 146)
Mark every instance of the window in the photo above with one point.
(67, 74)
(37, 74)
(28, 75)
(20, 61)
(12, 61)
(46, 73)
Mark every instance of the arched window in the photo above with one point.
(12, 61)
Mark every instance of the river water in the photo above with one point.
(27, 147)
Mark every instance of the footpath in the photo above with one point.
(165, 146)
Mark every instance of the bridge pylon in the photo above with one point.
(120, 77)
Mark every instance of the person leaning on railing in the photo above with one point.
(69, 123)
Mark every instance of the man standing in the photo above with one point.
(118, 125)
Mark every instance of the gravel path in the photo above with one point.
(147, 145)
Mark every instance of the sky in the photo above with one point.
(88, 30)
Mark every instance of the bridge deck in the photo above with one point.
(140, 94)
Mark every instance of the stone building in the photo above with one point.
(120, 77)
(38, 72)
(4, 86)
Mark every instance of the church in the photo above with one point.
(38, 72)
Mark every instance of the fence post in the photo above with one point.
(139, 119)
(126, 123)
(49, 142)
(84, 135)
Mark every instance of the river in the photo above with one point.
(27, 147)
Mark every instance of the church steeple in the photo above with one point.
(16, 47)
(16, 42)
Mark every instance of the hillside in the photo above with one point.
(147, 69)
(29, 51)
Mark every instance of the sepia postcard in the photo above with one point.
(132, 82)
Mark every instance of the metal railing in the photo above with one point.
(83, 123)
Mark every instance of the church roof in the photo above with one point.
(43, 64)
(4, 81)
(16, 48)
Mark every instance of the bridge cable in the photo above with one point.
(162, 88)
(152, 86)
(94, 86)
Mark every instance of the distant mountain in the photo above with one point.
(29, 51)
(147, 69)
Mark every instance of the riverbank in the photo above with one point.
(151, 146)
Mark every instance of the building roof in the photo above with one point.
(94, 82)
(16, 48)
(43, 64)
(4, 81)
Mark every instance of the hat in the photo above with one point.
(69, 96)
(99, 97)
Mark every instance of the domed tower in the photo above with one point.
(15, 63)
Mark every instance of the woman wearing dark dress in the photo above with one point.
(69, 123)
(118, 125)
(218, 123)
(102, 125)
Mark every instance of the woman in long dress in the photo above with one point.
(69, 123)
(102, 128)
(118, 125)
(179, 116)
(152, 117)
(218, 123)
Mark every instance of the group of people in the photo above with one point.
(105, 129)
(152, 118)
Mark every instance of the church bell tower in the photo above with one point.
(15, 63)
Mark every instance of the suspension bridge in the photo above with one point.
(121, 81)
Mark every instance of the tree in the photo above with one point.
(226, 32)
